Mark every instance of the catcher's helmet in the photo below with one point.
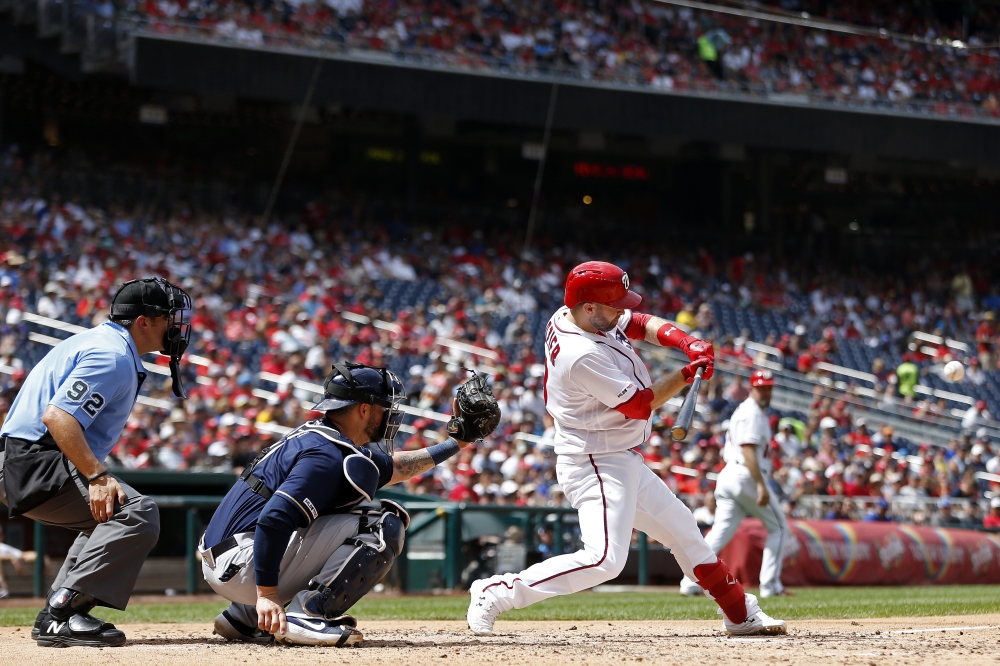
(353, 383)
(599, 282)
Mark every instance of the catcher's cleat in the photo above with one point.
(231, 629)
(758, 623)
(483, 611)
(309, 630)
(70, 624)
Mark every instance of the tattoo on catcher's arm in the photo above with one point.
(408, 464)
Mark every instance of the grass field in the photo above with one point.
(813, 603)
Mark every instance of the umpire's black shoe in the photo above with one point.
(40, 621)
(70, 624)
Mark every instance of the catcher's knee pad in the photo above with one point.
(719, 582)
(362, 571)
(393, 532)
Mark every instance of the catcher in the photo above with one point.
(302, 529)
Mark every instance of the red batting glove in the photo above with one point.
(689, 370)
(671, 336)
(695, 349)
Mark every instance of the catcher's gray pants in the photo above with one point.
(105, 559)
(317, 551)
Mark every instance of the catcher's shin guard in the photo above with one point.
(722, 585)
(363, 569)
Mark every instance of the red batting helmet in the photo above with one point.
(599, 282)
(762, 378)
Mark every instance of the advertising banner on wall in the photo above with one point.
(833, 552)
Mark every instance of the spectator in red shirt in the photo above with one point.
(860, 435)
(992, 519)
(463, 492)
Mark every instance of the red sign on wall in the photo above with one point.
(824, 552)
(599, 170)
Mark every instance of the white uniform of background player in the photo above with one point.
(600, 395)
(742, 491)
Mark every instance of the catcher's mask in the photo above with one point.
(353, 383)
(155, 297)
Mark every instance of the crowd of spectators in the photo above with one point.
(655, 44)
(275, 304)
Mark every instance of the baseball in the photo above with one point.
(954, 371)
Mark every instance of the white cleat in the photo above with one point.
(483, 611)
(758, 623)
(308, 630)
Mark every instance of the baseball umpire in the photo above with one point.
(63, 424)
(301, 528)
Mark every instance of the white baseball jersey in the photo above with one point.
(748, 425)
(587, 375)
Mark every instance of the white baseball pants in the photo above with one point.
(613, 493)
(735, 499)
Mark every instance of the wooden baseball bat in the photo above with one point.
(686, 413)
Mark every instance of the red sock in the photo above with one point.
(716, 579)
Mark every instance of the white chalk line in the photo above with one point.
(939, 629)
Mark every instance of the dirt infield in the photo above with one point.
(955, 640)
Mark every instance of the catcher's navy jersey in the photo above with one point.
(313, 471)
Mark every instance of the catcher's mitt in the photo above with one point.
(477, 413)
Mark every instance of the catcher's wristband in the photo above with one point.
(441, 452)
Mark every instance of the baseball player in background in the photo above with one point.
(63, 424)
(742, 487)
(600, 395)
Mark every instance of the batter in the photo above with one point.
(601, 397)
(742, 488)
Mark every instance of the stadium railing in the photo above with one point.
(793, 390)
(815, 507)
(796, 391)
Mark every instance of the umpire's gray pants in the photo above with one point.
(105, 558)
(317, 551)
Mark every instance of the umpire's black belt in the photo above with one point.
(211, 555)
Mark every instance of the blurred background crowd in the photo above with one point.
(276, 304)
(661, 45)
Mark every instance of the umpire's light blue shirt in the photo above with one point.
(94, 375)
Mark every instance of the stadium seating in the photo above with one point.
(662, 46)
(300, 315)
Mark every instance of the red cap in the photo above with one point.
(599, 282)
(762, 378)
